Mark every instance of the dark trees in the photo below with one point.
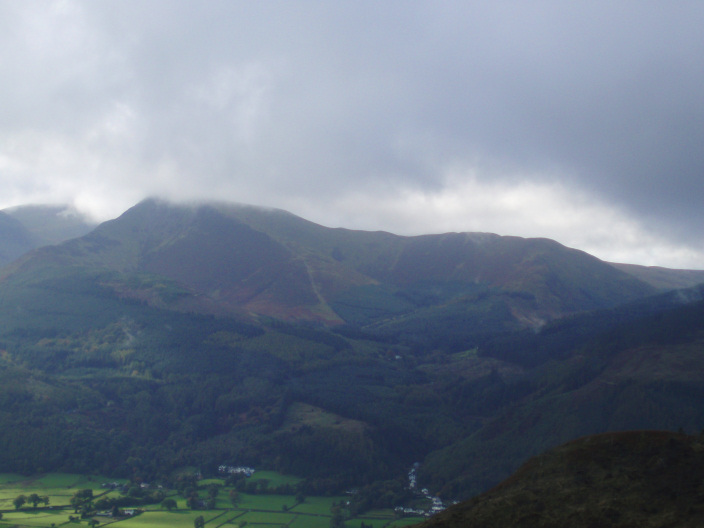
(19, 501)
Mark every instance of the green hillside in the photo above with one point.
(15, 239)
(203, 335)
(642, 373)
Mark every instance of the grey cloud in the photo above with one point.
(266, 101)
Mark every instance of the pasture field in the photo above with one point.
(303, 521)
(37, 519)
(317, 505)
(260, 510)
(164, 519)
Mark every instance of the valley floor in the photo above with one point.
(260, 510)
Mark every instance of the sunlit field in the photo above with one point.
(260, 510)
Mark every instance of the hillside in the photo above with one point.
(208, 334)
(240, 259)
(51, 224)
(663, 278)
(28, 227)
(639, 479)
(630, 370)
(15, 239)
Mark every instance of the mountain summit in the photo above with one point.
(226, 258)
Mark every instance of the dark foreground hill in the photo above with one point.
(640, 479)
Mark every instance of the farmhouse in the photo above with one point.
(236, 470)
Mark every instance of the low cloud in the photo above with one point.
(579, 122)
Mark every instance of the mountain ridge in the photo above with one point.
(272, 263)
(51, 224)
(202, 330)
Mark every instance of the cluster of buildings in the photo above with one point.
(236, 470)
(436, 502)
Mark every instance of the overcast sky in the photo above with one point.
(578, 121)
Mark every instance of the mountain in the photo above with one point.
(15, 239)
(196, 335)
(663, 278)
(27, 227)
(638, 479)
(633, 367)
(239, 259)
(51, 224)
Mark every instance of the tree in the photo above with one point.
(234, 497)
(263, 485)
(93, 522)
(199, 522)
(19, 501)
(86, 493)
(34, 499)
(134, 491)
(213, 491)
(81, 499)
(45, 500)
(169, 504)
(76, 503)
(336, 521)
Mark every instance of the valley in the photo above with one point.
(91, 500)
(214, 334)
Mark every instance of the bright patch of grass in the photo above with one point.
(208, 482)
(317, 505)
(311, 521)
(269, 518)
(156, 519)
(265, 502)
(39, 518)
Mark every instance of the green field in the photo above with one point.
(260, 510)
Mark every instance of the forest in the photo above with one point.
(157, 390)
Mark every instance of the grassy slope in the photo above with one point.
(110, 358)
(641, 374)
